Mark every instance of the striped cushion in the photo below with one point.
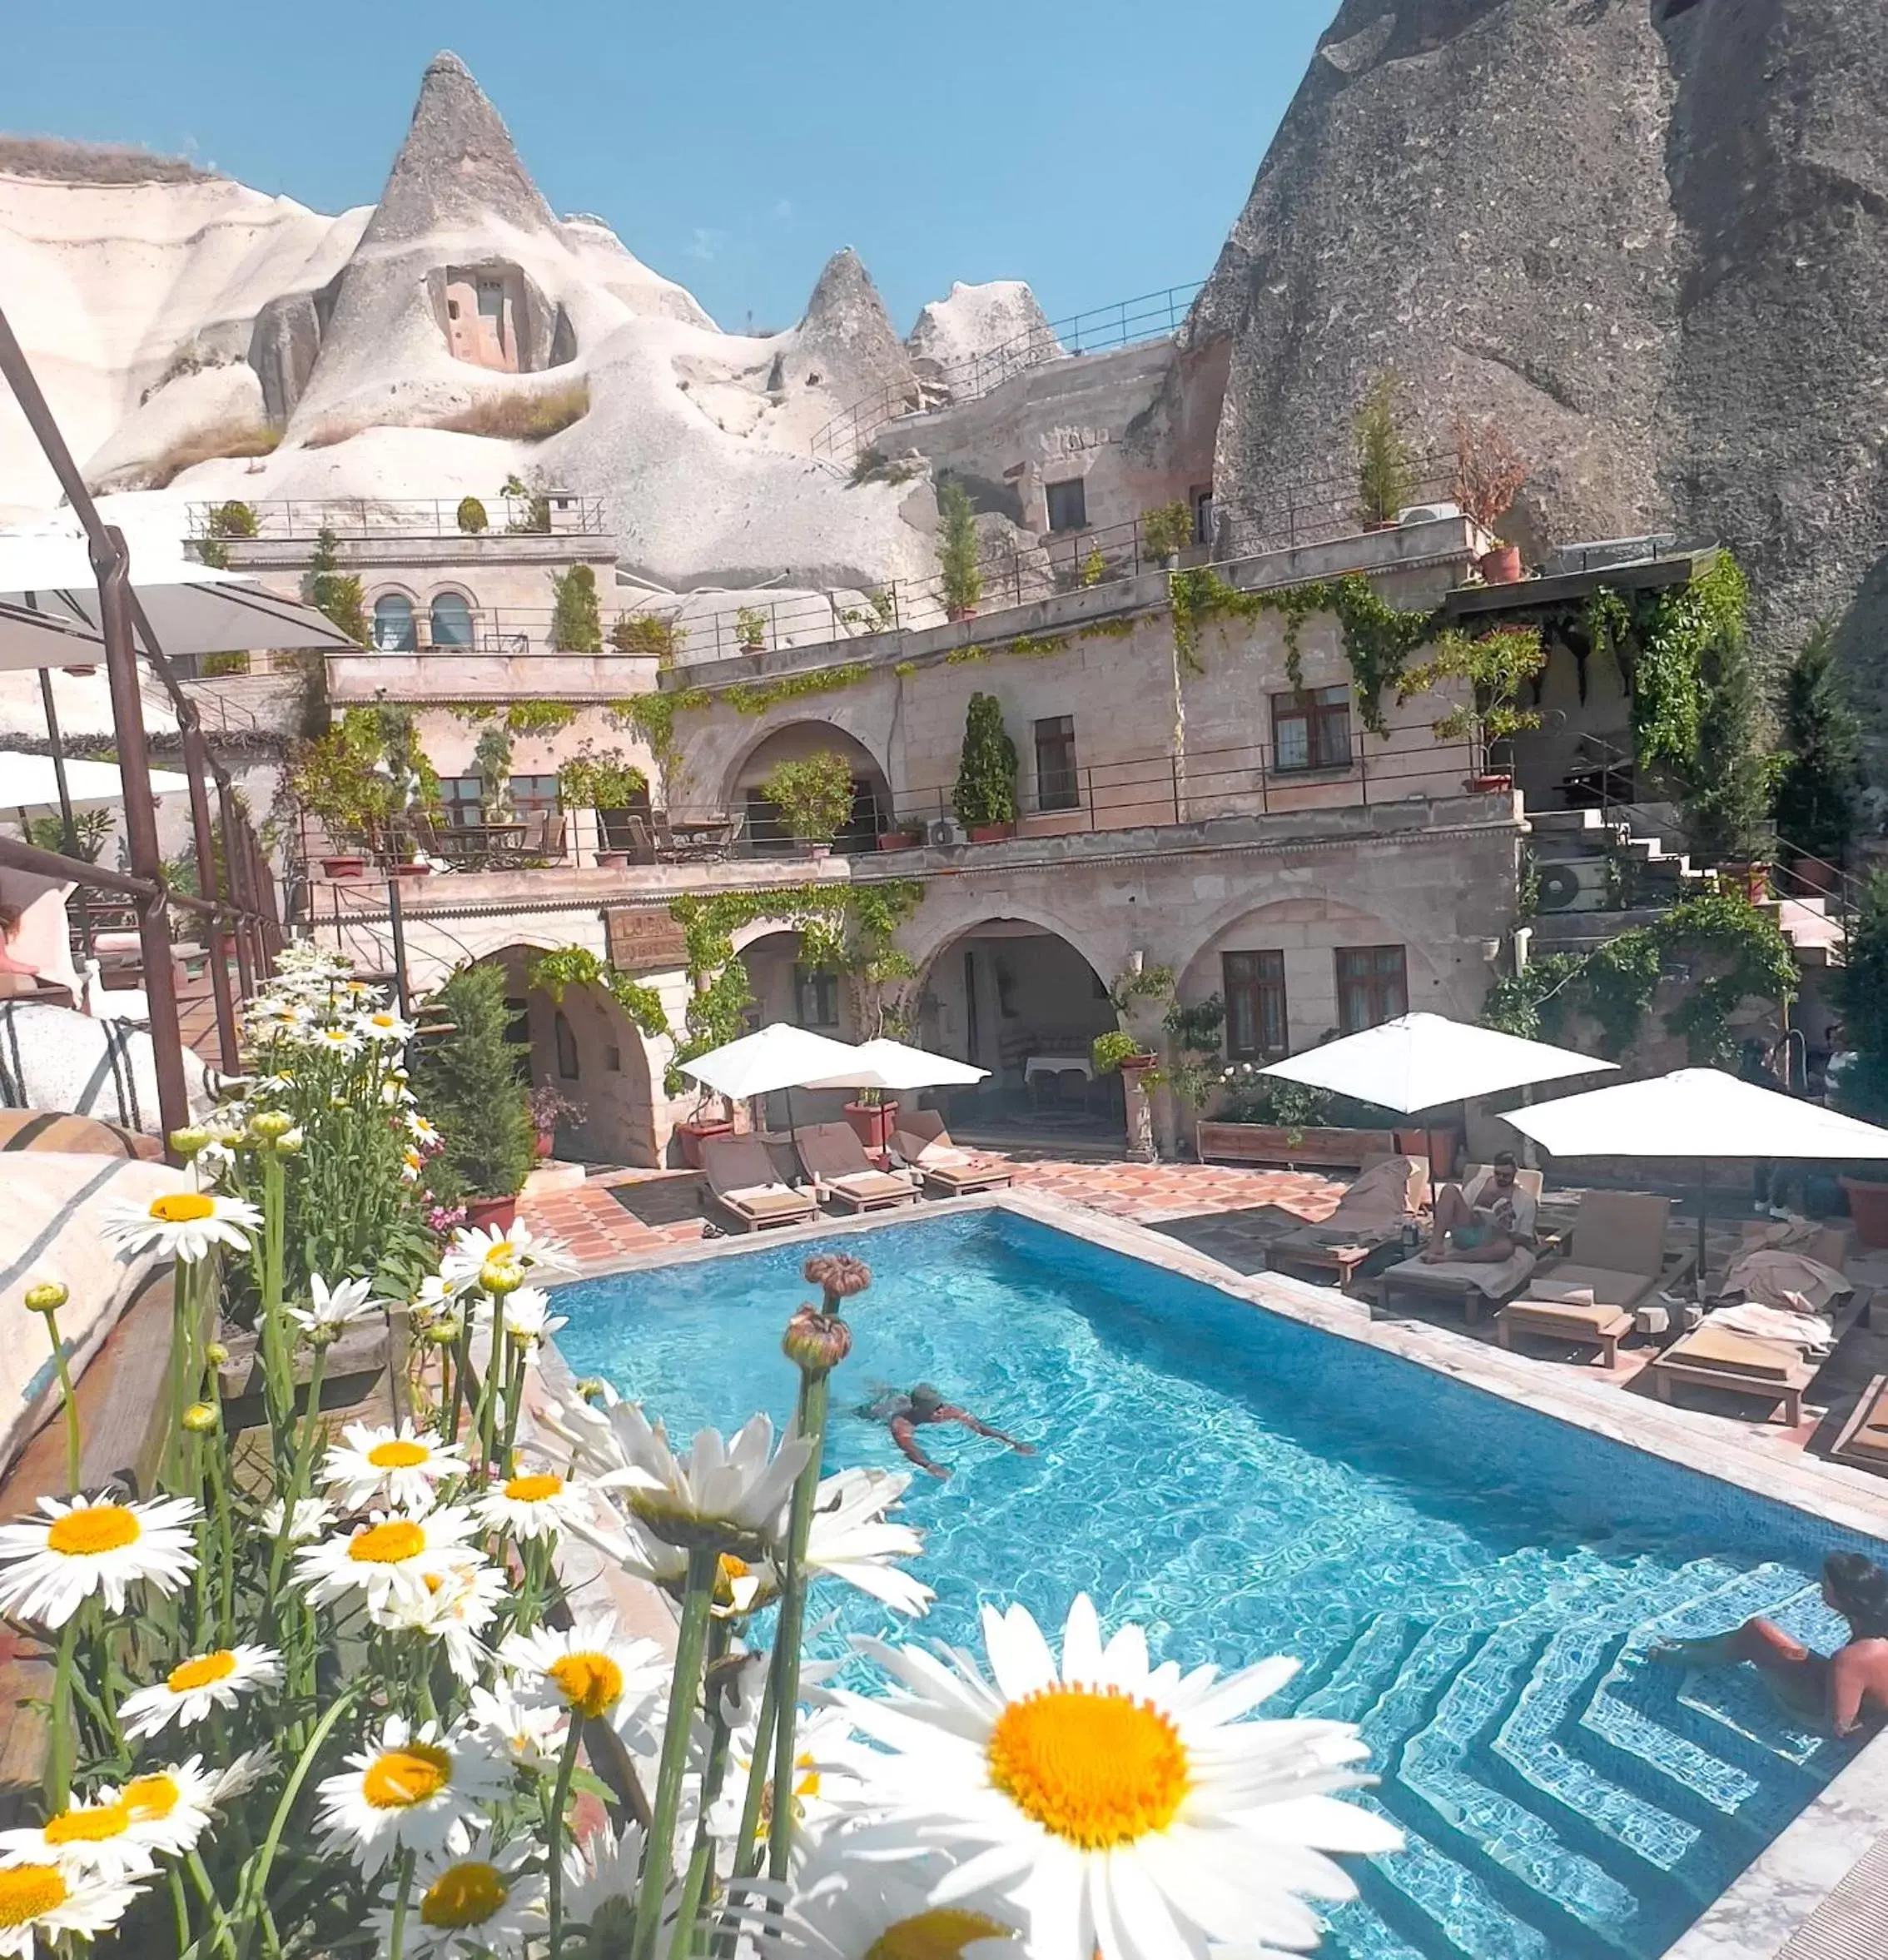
(77, 1136)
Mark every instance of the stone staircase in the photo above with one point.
(1600, 877)
(1564, 1799)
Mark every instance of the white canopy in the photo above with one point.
(28, 782)
(1696, 1113)
(1421, 1061)
(49, 607)
(779, 1057)
(885, 1064)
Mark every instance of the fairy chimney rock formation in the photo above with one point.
(955, 335)
(845, 344)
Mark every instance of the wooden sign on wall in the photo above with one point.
(642, 939)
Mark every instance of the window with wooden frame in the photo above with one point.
(1311, 729)
(1068, 505)
(1254, 986)
(816, 996)
(1058, 787)
(1373, 986)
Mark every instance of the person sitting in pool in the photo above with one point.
(902, 1413)
(1486, 1224)
(1841, 1690)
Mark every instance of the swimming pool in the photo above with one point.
(1473, 1583)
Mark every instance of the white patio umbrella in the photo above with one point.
(779, 1057)
(1421, 1061)
(889, 1065)
(27, 785)
(1699, 1115)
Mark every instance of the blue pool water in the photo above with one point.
(1475, 1584)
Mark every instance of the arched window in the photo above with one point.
(566, 1047)
(393, 623)
(452, 620)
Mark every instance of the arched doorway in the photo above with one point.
(1010, 996)
(764, 831)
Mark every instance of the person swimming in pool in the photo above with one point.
(1842, 1690)
(903, 1414)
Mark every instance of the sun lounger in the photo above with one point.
(1864, 1440)
(1773, 1371)
(922, 1140)
(1370, 1216)
(841, 1171)
(1463, 1282)
(1615, 1262)
(742, 1177)
(1558, 1312)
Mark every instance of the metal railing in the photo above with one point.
(1125, 323)
(546, 513)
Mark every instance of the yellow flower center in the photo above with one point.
(95, 1528)
(390, 1544)
(464, 1895)
(396, 1779)
(942, 1933)
(28, 1893)
(590, 1682)
(1090, 1764)
(201, 1672)
(151, 1797)
(183, 1207)
(398, 1455)
(533, 1489)
(92, 1823)
(503, 1253)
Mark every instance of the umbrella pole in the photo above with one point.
(1698, 1277)
(57, 748)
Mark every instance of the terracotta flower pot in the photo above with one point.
(1495, 783)
(612, 860)
(1816, 874)
(1503, 565)
(544, 1142)
(483, 1213)
(1136, 1063)
(990, 833)
(872, 1124)
(414, 870)
(956, 614)
(1753, 880)
(1868, 1206)
(898, 840)
(344, 868)
(691, 1137)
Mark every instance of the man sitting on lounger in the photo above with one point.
(902, 1413)
(1485, 1229)
(1841, 1690)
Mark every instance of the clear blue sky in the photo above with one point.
(1099, 152)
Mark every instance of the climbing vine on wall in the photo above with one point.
(756, 697)
(520, 718)
(577, 966)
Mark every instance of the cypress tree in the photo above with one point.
(985, 790)
(1816, 797)
(471, 1083)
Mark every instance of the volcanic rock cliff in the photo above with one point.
(1648, 236)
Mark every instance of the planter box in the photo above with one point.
(991, 833)
(898, 840)
(873, 1125)
(339, 868)
(410, 870)
(691, 1137)
(1266, 1143)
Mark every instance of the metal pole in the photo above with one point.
(238, 870)
(110, 561)
(398, 923)
(67, 824)
(209, 886)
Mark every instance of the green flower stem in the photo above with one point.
(690, 1642)
(219, 1922)
(256, 1881)
(462, 1356)
(701, 1857)
(810, 1423)
(496, 1363)
(225, 1536)
(278, 1354)
(747, 1853)
(69, 1407)
(403, 1884)
(293, 1491)
(554, 1830)
(59, 1743)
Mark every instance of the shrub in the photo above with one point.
(91, 831)
(227, 439)
(232, 520)
(648, 632)
(1166, 530)
(470, 1083)
(212, 664)
(604, 780)
(472, 518)
(335, 593)
(1489, 470)
(814, 794)
(1861, 988)
(1495, 666)
(1108, 1052)
(1727, 797)
(750, 628)
(1385, 475)
(956, 559)
(1816, 796)
(986, 791)
(576, 619)
(522, 415)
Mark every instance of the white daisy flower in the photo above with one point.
(539, 1503)
(412, 1162)
(390, 1553)
(738, 1586)
(512, 1245)
(422, 1132)
(827, 1779)
(269, 1014)
(1124, 1808)
(194, 1686)
(405, 1466)
(97, 1839)
(586, 1429)
(183, 1224)
(599, 1887)
(338, 1040)
(49, 1565)
(171, 1807)
(527, 1317)
(731, 1496)
(528, 1732)
(434, 1297)
(45, 1903)
(312, 1517)
(413, 1789)
(332, 1308)
(589, 1670)
(382, 1024)
(453, 1610)
(852, 1539)
(849, 1907)
(242, 1775)
(480, 1903)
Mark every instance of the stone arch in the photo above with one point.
(789, 741)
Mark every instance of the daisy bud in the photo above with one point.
(592, 1388)
(270, 1126)
(215, 1354)
(500, 1277)
(46, 1298)
(838, 1276)
(187, 1142)
(200, 1419)
(817, 1343)
(288, 1144)
(442, 1332)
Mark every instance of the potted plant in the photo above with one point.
(1489, 474)
(1385, 476)
(985, 795)
(958, 569)
(814, 794)
(549, 1107)
(1726, 786)
(410, 868)
(601, 780)
(750, 630)
(472, 518)
(1117, 1051)
(1166, 532)
(1493, 667)
(344, 864)
(467, 1079)
(873, 1119)
(1816, 791)
(905, 834)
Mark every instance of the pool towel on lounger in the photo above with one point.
(1495, 1280)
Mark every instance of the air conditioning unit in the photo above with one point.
(946, 831)
(1427, 513)
(1577, 884)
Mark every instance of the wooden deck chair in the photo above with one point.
(744, 1183)
(841, 1171)
(922, 1140)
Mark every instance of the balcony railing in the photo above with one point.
(286, 520)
